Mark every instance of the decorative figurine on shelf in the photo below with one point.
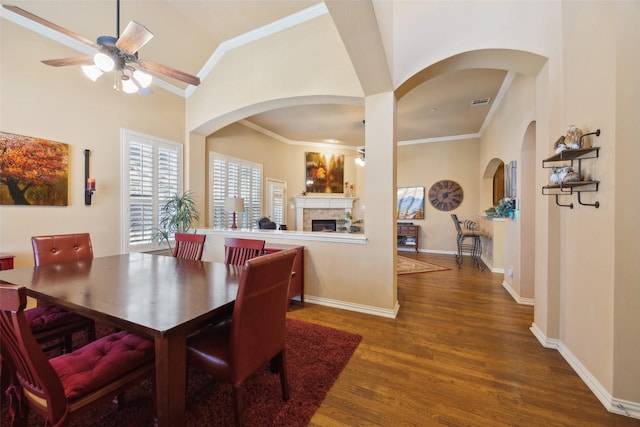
(564, 174)
(573, 138)
(571, 141)
(559, 145)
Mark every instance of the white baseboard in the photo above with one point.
(611, 404)
(376, 311)
(546, 342)
(434, 251)
(517, 298)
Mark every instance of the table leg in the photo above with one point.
(171, 378)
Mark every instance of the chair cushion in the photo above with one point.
(101, 362)
(49, 316)
(209, 350)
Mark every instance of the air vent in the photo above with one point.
(481, 101)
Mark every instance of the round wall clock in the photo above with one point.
(446, 195)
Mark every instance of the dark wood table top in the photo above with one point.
(144, 293)
(159, 296)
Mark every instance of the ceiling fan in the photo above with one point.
(118, 53)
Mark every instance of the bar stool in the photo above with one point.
(468, 241)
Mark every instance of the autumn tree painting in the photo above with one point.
(33, 171)
(324, 176)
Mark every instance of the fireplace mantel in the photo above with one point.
(320, 202)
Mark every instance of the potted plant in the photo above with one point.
(176, 216)
(348, 224)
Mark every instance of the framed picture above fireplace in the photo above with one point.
(324, 175)
(410, 203)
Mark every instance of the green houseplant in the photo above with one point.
(176, 216)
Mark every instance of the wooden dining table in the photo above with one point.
(157, 296)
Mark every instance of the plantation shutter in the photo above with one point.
(152, 173)
(233, 177)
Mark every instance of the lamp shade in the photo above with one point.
(104, 62)
(92, 71)
(234, 204)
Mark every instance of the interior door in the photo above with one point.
(276, 200)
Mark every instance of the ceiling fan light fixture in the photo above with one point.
(92, 71)
(104, 62)
(128, 86)
(143, 79)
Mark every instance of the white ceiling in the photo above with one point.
(187, 33)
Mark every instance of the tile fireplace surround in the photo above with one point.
(320, 207)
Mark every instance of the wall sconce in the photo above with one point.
(89, 183)
(234, 205)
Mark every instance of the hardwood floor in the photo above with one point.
(460, 353)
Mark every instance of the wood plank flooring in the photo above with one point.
(460, 353)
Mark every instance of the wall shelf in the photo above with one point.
(569, 158)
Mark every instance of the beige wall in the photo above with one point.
(421, 165)
(279, 70)
(595, 287)
(61, 105)
(626, 344)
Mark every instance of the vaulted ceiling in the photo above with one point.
(188, 33)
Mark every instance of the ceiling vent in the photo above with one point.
(481, 101)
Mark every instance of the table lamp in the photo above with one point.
(234, 205)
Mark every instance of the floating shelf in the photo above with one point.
(578, 187)
(571, 155)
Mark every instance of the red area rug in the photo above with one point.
(315, 357)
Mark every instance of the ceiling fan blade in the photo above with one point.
(134, 37)
(48, 24)
(79, 60)
(169, 72)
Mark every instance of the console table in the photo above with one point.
(297, 281)
(408, 236)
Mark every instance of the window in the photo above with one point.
(232, 177)
(152, 172)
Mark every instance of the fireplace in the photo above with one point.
(309, 208)
(323, 225)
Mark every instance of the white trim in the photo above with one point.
(617, 406)
(305, 236)
(611, 404)
(435, 251)
(440, 139)
(367, 309)
(542, 338)
(517, 298)
(257, 34)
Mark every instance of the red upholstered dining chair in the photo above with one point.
(189, 246)
(64, 387)
(233, 349)
(50, 322)
(237, 251)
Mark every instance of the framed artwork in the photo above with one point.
(324, 175)
(410, 203)
(33, 171)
